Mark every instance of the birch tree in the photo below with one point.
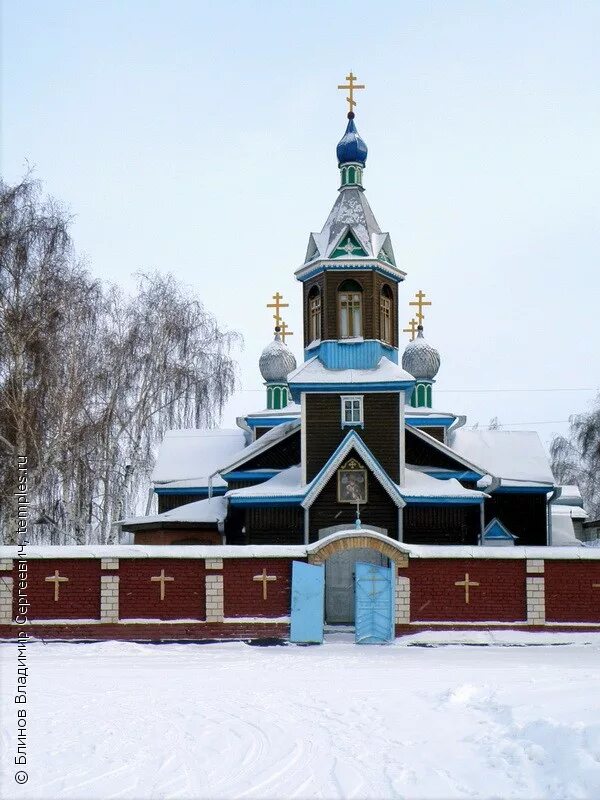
(90, 377)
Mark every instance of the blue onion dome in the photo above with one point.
(277, 360)
(420, 359)
(351, 149)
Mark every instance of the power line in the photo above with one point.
(471, 391)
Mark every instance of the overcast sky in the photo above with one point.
(199, 138)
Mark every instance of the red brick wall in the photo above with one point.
(570, 594)
(244, 596)
(139, 597)
(78, 598)
(500, 595)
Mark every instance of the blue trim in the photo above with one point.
(202, 491)
(339, 354)
(352, 435)
(270, 422)
(242, 475)
(443, 501)
(266, 501)
(464, 475)
(351, 388)
(523, 490)
(388, 273)
(429, 422)
(495, 531)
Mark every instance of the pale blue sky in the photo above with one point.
(200, 138)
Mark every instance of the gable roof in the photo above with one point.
(265, 442)
(495, 530)
(188, 457)
(514, 456)
(213, 510)
(351, 212)
(351, 441)
(447, 451)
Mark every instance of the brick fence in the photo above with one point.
(218, 592)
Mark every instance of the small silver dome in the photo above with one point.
(276, 361)
(420, 358)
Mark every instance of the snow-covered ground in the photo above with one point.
(121, 720)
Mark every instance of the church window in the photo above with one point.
(352, 175)
(352, 410)
(385, 314)
(352, 483)
(314, 310)
(350, 309)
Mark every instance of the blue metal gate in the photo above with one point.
(374, 604)
(308, 602)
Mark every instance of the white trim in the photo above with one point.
(274, 436)
(444, 448)
(352, 398)
(352, 441)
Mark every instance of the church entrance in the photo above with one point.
(340, 582)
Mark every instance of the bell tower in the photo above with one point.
(351, 386)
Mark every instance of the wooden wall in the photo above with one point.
(381, 431)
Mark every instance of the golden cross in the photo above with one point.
(412, 329)
(277, 305)
(284, 331)
(352, 87)
(56, 580)
(162, 578)
(420, 303)
(265, 579)
(466, 583)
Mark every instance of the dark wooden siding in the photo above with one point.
(380, 510)
(523, 514)
(424, 454)
(441, 524)
(276, 525)
(285, 453)
(437, 433)
(167, 502)
(381, 432)
(371, 283)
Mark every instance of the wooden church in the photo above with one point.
(351, 433)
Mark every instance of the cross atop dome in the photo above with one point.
(352, 87)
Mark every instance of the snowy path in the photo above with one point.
(118, 720)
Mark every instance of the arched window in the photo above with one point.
(350, 309)
(385, 314)
(352, 175)
(314, 314)
(277, 397)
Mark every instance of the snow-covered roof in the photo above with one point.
(213, 509)
(314, 371)
(569, 496)
(291, 410)
(418, 484)
(271, 437)
(187, 457)
(425, 411)
(351, 210)
(516, 457)
(574, 512)
(563, 530)
(286, 483)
